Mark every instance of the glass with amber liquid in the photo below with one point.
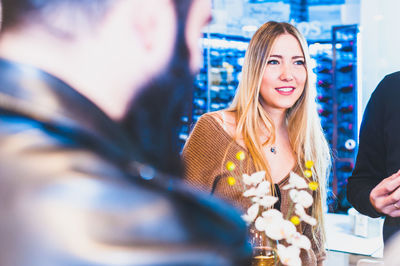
(263, 254)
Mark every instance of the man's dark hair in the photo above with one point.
(17, 13)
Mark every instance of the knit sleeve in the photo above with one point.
(317, 254)
(202, 154)
(318, 247)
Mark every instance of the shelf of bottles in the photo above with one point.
(334, 65)
(345, 133)
(215, 85)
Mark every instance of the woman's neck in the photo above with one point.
(279, 119)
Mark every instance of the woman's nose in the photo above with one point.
(286, 73)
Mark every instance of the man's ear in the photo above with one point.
(156, 27)
(146, 28)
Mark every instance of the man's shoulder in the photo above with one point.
(387, 91)
(119, 206)
(390, 83)
(393, 76)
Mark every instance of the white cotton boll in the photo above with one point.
(297, 181)
(263, 189)
(310, 220)
(272, 214)
(293, 194)
(289, 255)
(305, 199)
(288, 186)
(268, 201)
(288, 229)
(253, 211)
(260, 224)
(254, 179)
(299, 210)
(274, 229)
(256, 200)
(246, 218)
(257, 177)
(301, 197)
(249, 192)
(251, 214)
(246, 179)
(278, 229)
(300, 241)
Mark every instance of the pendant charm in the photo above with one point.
(273, 150)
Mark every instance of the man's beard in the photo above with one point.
(153, 120)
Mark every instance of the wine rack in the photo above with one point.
(216, 84)
(345, 99)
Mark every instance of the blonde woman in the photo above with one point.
(274, 120)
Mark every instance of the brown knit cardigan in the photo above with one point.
(206, 152)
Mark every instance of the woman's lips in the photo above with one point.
(285, 90)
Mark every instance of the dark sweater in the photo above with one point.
(379, 150)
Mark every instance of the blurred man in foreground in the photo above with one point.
(89, 109)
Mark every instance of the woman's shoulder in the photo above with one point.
(213, 130)
(208, 127)
(207, 122)
(225, 119)
(221, 116)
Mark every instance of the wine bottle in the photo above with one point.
(324, 112)
(324, 98)
(346, 167)
(346, 68)
(324, 70)
(347, 88)
(324, 84)
(347, 47)
(345, 127)
(325, 59)
(346, 108)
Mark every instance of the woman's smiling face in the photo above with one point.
(285, 76)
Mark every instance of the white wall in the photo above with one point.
(380, 43)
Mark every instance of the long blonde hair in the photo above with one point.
(305, 132)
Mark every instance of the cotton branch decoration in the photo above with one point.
(280, 231)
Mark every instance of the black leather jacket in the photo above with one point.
(70, 193)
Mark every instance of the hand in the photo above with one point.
(385, 197)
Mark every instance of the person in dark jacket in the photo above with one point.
(78, 185)
(373, 189)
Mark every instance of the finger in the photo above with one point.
(390, 209)
(393, 176)
(393, 211)
(388, 185)
(393, 198)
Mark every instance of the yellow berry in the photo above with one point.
(309, 164)
(308, 173)
(295, 220)
(240, 156)
(230, 166)
(313, 186)
(231, 181)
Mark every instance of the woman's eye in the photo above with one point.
(273, 62)
(299, 62)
